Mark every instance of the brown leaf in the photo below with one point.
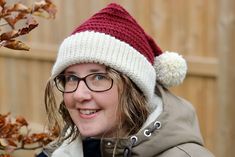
(21, 121)
(9, 35)
(11, 137)
(5, 130)
(27, 140)
(39, 137)
(15, 45)
(18, 11)
(2, 3)
(11, 143)
(50, 8)
(31, 24)
(45, 6)
(38, 5)
(2, 120)
(20, 8)
(8, 130)
(5, 115)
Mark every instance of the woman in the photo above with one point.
(113, 78)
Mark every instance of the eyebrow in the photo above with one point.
(95, 70)
(69, 72)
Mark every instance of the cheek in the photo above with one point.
(67, 100)
(112, 101)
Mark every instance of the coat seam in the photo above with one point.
(183, 151)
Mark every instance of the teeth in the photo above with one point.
(88, 112)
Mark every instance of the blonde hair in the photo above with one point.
(132, 106)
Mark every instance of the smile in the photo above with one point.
(88, 111)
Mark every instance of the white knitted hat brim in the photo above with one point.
(95, 47)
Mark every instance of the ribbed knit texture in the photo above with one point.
(101, 48)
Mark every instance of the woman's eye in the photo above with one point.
(70, 78)
(99, 77)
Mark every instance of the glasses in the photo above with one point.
(96, 82)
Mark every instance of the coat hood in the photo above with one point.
(177, 124)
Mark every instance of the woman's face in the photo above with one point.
(94, 113)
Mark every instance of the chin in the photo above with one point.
(90, 134)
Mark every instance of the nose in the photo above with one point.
(82, 93)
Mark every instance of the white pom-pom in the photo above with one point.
(171, 68)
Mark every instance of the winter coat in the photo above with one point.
(171, 130)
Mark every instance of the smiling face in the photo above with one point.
(94, 113)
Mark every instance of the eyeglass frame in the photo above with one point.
(84, 80)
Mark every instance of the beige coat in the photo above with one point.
(174, 133)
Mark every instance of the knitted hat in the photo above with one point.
(112, 37)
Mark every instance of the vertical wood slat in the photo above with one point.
(226, 79)
(3, 85)
(23, 79)
(187, 25)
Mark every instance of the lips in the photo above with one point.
(88, 111)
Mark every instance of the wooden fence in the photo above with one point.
(202, 30)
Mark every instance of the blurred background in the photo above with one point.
(203, 31)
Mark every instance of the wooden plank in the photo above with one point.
(37, 52)
(202, 66)
(226, 79)
(143, 14)
(3, 86)
(199, 66)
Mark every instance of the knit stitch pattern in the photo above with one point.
(117, 22)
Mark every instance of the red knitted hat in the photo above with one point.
(113, 37)
(117, 22)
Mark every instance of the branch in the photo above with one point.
(16, 135)
(18, 12)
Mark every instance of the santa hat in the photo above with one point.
(112, 37)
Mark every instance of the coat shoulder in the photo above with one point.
(187, 150)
